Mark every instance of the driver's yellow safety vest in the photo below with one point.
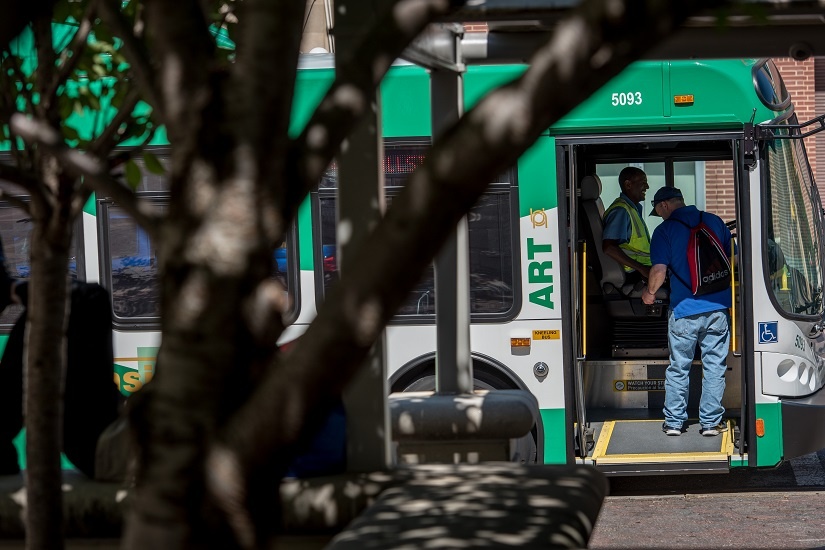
(638, 248)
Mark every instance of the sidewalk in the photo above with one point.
(790, 519)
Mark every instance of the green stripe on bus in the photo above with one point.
(406, 96)
(555, 436)
(769, 446)
(306, 261)
(537, 177)
(310, 88)
(90, 207)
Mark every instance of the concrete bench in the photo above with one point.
(491, 505)
(91, 509)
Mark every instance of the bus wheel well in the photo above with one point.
(419, 375)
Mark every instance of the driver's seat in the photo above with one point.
(613, 274)
(634, 328)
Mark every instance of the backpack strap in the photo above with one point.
(672, 272)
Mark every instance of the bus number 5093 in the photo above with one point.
(629, 98)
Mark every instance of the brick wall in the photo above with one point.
(799, 77)
(719, 196)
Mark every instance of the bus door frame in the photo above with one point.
(575, 410)
(742, 200)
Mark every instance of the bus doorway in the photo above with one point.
(622, 343)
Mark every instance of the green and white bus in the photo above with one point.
(550, 313)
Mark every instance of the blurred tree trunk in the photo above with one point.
(35, 68)
(45, 369)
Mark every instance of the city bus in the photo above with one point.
(550, 312)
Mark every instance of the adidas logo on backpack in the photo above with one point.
(707, 260)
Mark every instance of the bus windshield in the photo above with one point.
(794, 230)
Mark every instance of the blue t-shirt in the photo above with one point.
(617, 223)
(669, 247)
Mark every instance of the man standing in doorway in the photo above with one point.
(625, 237)
(691, 319)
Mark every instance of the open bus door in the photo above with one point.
(621, 343)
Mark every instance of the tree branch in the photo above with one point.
(139, 59)
(44, 76)
(15, 201)
(21, 14)
(345, 102)
(109, 137)
(262, 90)
(93, 169)
(113, 187)
(15, 175)
(184, 48)
(71, 55)
(590, 47)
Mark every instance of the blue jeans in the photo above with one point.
(712, 332)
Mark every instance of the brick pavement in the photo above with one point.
(781, 519)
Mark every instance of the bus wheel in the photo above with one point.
(523, 450)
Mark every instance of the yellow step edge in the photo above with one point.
(600, 455)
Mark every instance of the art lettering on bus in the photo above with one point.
(539, 272)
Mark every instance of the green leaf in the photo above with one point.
(70, 133)
(61, 12)
(103, 35)
(152, 163)
(130, 8)
(117, 97)
(76, 10)
(133, 175)
(66, 108)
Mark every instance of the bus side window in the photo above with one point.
(133, 269)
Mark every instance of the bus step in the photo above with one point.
(638, 447)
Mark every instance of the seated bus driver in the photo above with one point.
(625, 237)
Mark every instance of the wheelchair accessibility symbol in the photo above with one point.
(769, 332)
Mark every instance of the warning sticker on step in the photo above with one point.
(654, 384)
(546, 334)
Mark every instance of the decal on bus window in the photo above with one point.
(768, 332)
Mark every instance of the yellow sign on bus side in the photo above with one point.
(546, 334)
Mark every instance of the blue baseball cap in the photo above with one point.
(664, 194)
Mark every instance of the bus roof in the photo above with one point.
(648, 95)
(658, 95)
